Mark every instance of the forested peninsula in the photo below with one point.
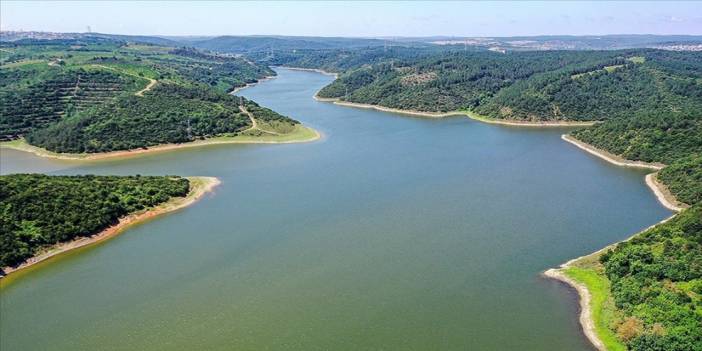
(42, 216)
(77, 98)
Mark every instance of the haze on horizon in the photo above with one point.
(359, 19)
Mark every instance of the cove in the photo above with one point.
(391, 232)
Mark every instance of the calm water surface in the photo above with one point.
(391, 233)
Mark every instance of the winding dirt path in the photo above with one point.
(254, 124)
(152, 82)
(148, 87)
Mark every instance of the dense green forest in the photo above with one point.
(97, 94)
(169, 113)
(531, 86)
(684, 178)
(37, 211)
(656, 281)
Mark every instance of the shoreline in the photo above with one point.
(317, 70)
(468, 114)
(199, 186)
(22, 145)
(609, 157)
(248, 85)
(587, 323)
(664, 197)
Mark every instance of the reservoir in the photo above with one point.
(389, 233)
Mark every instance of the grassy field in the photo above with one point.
(602, 310)
(299, 133)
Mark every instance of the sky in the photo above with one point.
(355, 19)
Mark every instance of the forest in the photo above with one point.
(98, 95)
(527, 86)
(656, 281)
(37, 211)
(169, 113)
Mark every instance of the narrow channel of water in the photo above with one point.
(392, 233)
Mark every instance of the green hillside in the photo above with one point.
(96, 94)
(525, 86)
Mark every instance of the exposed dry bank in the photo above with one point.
(300, 134)
(609, 157)
(199, 186)
(664, 196)
(469, 114)
(309, 70)
(261, 80)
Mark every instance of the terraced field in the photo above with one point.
(36, 105)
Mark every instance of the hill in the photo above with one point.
(533, 86)
(98, 94)
(256, 43)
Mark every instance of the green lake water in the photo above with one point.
(390, 233)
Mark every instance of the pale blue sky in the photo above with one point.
(356, 19)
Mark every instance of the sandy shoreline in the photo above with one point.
(336, 75)
(25, 147)
(619, 161)
(199, 186)
(266, 78)
(337, 101)
(662, 193)
(470, 115)
(586, 321)
(664, 196)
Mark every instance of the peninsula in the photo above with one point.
(36, 230)
(97, 98)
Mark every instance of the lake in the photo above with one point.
(390, 233)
